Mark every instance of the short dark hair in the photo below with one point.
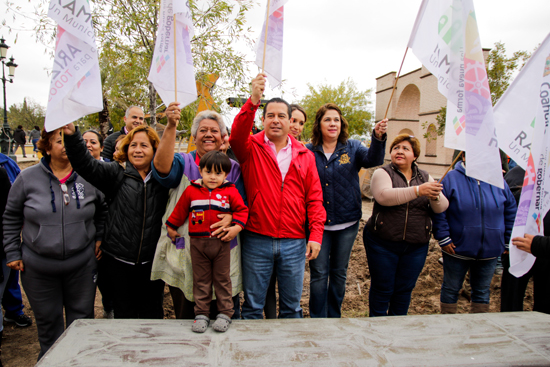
(215, 160)
(317, 136)
(99, 137)
(36, 127)
(19, 126)
(277, 100)
(415, 144)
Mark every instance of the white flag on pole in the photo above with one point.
(273, 64)
(162, 73)
(527, 100)
(75, 87)
(515, 110)
(446, 40)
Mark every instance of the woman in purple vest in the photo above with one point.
(397, 234)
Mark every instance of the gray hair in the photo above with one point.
(211, 115)
(127, 114)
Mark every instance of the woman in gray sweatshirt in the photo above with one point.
(53, 226)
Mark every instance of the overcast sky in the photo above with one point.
(326, 41)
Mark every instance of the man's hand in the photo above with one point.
(225, 222)
(16, 265)
(312, 250)
(231, 232)
(450, 248)
(173, 113)
(98, 252)
(258, 87)
(380, 128)
(523, 243)
(69, 129)
(172, 233)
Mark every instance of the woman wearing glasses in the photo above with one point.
(53, 225)
(136, 205)
(397, 234)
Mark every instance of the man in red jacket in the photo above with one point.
(283, 188)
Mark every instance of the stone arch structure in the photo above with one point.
(406, 131)
(431, 141)
(408, 106)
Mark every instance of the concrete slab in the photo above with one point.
(495, 339)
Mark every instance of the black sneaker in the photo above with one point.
(20, 320)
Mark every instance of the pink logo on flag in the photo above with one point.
(459, 124)
(83, 78)
(160, 61)
(526, 193)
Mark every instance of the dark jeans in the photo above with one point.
(12, 302)
(394, 268)
(454, 271)
(329, 271)
(136, 296)
(513, 289)
(260, 255)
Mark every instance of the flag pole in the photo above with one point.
(175, 64)
(265, 36)
(395, 83)
(451, 166)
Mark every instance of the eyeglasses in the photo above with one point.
(66, 197)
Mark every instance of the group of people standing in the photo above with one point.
(105, 220)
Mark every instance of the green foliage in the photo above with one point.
(440, 124)
(500, 69)
(125, 35)
(28, 113)
(353, 103)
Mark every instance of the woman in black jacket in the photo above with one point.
(136, 205)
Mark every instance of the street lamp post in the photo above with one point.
(6, 137)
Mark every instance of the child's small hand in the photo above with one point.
(231, 232)
(172, 233)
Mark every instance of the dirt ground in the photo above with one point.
(20, 345)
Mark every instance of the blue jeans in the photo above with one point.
(329, 271)
(260, 254)
(454, 271)
(6, 272)
(394, 268)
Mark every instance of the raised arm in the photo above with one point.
(165, 151)
(100, 174)
(242, 125)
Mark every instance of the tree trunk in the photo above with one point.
(152, 105)
(104, 118)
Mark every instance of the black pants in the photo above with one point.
(53, 286)
(135, 296)
(105, 285)
(513, 289)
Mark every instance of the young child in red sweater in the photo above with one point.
(201, 202)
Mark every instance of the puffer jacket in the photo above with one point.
(340, 179)
(479, 219)
(135, 207)
(37, 217)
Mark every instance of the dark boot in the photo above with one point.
(447, 308)
(479, 307)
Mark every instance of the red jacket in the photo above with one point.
(276, 209)
(202, 206)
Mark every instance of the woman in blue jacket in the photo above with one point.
(338, 162)
(472, 234)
